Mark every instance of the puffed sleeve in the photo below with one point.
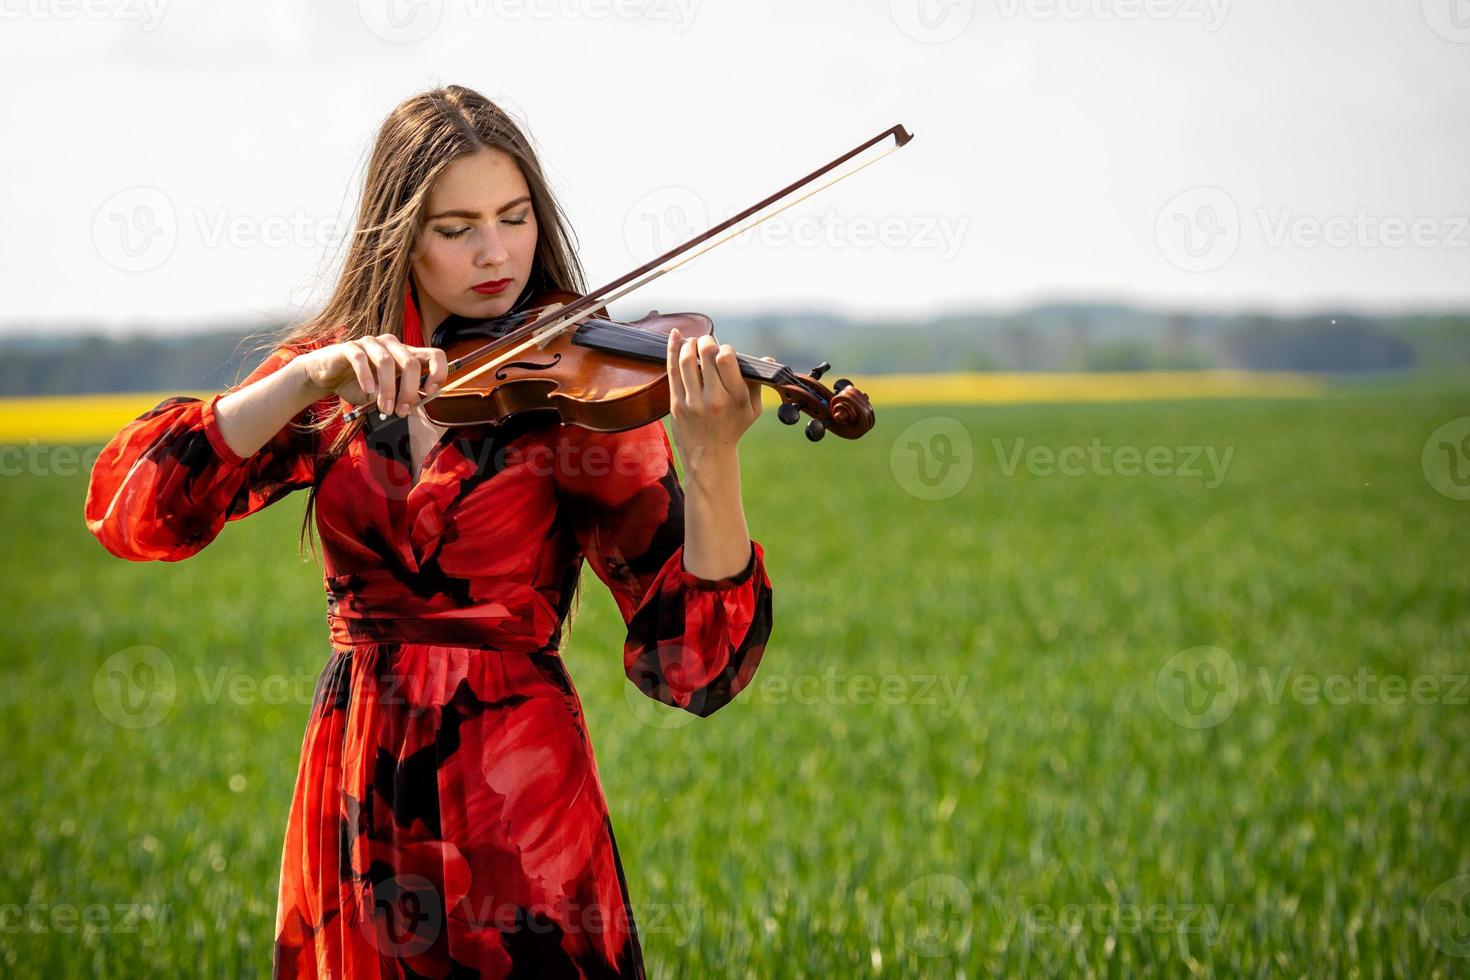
(165, 485)
(692, 643)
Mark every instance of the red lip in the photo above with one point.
(492, 287)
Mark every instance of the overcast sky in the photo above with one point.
(170, 164)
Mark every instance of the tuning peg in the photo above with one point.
(840, 384)
(820, 370)
(789, 413)
(815, 430)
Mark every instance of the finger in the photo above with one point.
(671, 364)
(408, 374)
(756, 403)
(689, 370)
(362, 368)
(384, 369)
(727, 364)
(409, 383)
(438, 368)
(709, 371)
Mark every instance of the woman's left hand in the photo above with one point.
(711, 402)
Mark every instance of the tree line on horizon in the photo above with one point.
(1056, 337)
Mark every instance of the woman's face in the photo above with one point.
(479, 228)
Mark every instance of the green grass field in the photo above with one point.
(983, 740)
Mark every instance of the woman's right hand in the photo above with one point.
(380, 368)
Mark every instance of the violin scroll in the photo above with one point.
(842, 409)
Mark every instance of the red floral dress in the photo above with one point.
(448, 818)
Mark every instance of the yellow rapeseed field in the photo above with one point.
(86, 418)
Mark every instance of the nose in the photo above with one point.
(494, 253)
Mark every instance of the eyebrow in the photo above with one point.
(475, 214)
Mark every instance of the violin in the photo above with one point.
(565, 355)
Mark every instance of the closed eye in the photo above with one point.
(460, 231)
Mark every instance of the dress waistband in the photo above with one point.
(486, 633)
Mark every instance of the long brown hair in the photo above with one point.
(415, 144)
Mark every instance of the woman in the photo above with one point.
(448, 818)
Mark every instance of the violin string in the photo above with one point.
(651, 344)
(644, 341)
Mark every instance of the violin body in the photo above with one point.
(582, 383)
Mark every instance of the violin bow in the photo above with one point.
(541, 330)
